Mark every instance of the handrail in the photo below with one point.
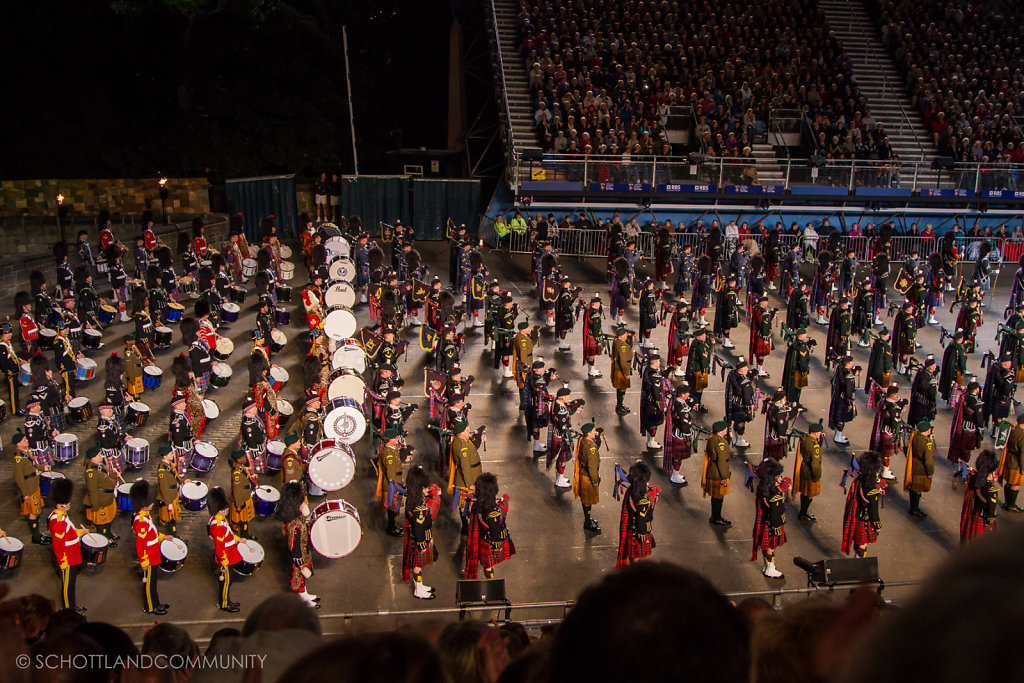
(698, 125)
(496, 45)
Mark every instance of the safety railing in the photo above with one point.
(502, 91)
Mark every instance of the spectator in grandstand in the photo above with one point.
(810, 240)
(320, 197)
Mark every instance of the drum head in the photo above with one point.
(349, 386)
(332, 469)
(268, 493)
(210, 409)
(285, 408)
(340, 294)
(275, 446)
(65, 438)
(225, 346)
(78, 402)
(278, 374)
(94, 540)
(231, 307)
(195, 490)
(339, 324)
(349, 356)
(86, 363)
(251, 551)
(342, 269)
(337, 247)
(124, 489)
(222, 369)
(345, 423)
(139, 407)
(153, 370)
(206, 449)
(173, 549)
(9, 544)
(138, 444)
(335, 533)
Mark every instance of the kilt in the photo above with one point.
(774, 448)
(663, 268)
(244, 514)
(115, 459)
(636, 548)
(771, 271)
(716, 488)
(41, 457)
(1000, 410)
(864, 532)
(765, 540)
(699, 301)
(919, 483)
(134, 386)
(587, 491)
(700, 381)
(492, 555)
(887, 446)
(258, 459)
(57, 421)
(676, 451)
(101, 516)
(32, 505)
(170, 513)
(760, 346)
(961, 445)
(974, 526)
(619, 303)
(591, 346)
(558, 449)
(1011, 477)
(203, 383)
(677, 350)
(808, 488)
(413, 555)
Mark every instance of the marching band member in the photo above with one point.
(29, 330)
(112, 438)
(587, 475)
(504, 344)
(147, 545)
(680, 432)
(807, 471)
(965, 434)
(761, 334)
(185, 388)
(560, 434)
(917, 479)
(822, 289)
(840, 324)
(770, 515)
(199, 358)
(293, 469)
(41, 298)
(798, 312)
(252, 438)
(168, 481)
(492, 313)
(739, 401)
(133, 367)
(968, 321)
(885, 432)
(776, 426)
(652, 400)
(535, 399)
(463, 462)
(684, 271)
(99, 501)
(841, 407)
(51, 397)
(698, 366)
(1011, 467)
(189, 258)
(636, 521)
(242, 485)
(771, 256)
(622, 366)
(225, 545)
(727, 312)
(879, 365)
(648, 312)
(924, 393)
(422, 503)
(861, 521)
(143, 325)
(797, 366)
(592, 336)
(489, 543)
(10, 363)
(703, 283)
(863, 314)
(1011, 344)
(26, 477)
(389, 469)
(170, 279)
(233, 252)
(361, 255)
(149, 239)
(663, 255)
(522, 352)
(85, 257)
(262, 393)
(714, 480)
(67, 548)
(880, 283)
(118, 281)
(141, 257)
(998, 391)
(978, 514)
(65, 358)
(678, 337)
(848, 273)
(293, 512)
(954, 367)
(791, 271)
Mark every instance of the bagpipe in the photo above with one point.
(750, 480)
(987, 358)
(1002, 330)
(789, 335)
(642, 358)
(621, 482)
(894, 308)
(607, 339)
(462, 500)
(395, 497)
(944, 334)
(718, 363)
(961, 294)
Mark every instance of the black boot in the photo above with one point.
(716, 513)
(915, 505)
(393, 529)
(805, 505)
(1011, 500)
(621, 409)
(589, 524)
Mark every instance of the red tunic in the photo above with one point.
(106, 239)
(67, 546)
(147, 539)
(225, 544)
(149, 239)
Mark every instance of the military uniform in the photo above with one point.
(807, 473)
(522, 351)
(100, 505)
(622, 367)
(464, 463)
(587, 478)
(169, 507)
(26, 477)
(716, 473)
(796, 369)
(253, 438)
(1011, 468)
(389, 469)
(920, 468)
(242, 510)
(698, 367)
(182, 441)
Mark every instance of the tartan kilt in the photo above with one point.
(765, 540)
(636, 548)
(677, 350)
(887, 447)
(864, 532)
(591, 346)
(974, 526)
(32, 505)
(771, 271)
(774, 448)
(760, 346)
(491, 556)
(203, 383)
(663, 267)
(676, 451)
(57, 421)
(413, 556)
(961, 445)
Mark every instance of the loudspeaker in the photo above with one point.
(840, 572)
(533, 154)
(486, 591)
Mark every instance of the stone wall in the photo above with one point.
(90, 196)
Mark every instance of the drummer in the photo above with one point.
(26, 476)
(72, 323)
(112, 440)
(147, 545)
(311, 428)
(265, 321)
(396, 414)
(40, 435)
(312, 300)
(67, 547)
(242, 485)
(198, 351)
(207, 330)
(134, 367)
(225, 546)
(65, 358)
(253, 436)
(10, 363)
(388, 351)
(143, 324)
(263, 394)
(168, 481)
(182, 437)
(89, 300)
(99, 501)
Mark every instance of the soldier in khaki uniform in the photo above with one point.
(917, 479)
(463, 462)
(588, 475)
(715, 477)
(292, 467)
(100, 505)
(167, 484)
(242, 510)
(807, 471)
(26, 476)
(389, 469)
(522, 353)
(622, 367)
(1011, 469)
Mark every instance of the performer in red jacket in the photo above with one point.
(225, 545)
(147, 544)
(67, 547)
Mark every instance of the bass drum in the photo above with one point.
(337, 247)
(342, 270)
(351, 356)
(345, 382)
(340, 294)
(335, 530)
(332, 466)
(344, 420)
(339, 323)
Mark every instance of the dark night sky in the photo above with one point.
(256, 86)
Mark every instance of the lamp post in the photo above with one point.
(60, 209)
(163, 197)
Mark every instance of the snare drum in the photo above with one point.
(277, 340)
(266, 501)
(275, 454)
(162, 337)
(46, 338)
(332, 466)
(102, 266)
(344, 420)
(283, 316)
(248, 267)
(229, 312)
(351, 356)
(287, 270)
(252, 557)
(80, 409)
(173, 551)
(187, 285)
(223, 349)
(94, 549)
(337, 247)
(25, 375)
(204, 456)
(342, 270)
(106, 314)
(137, 453)
(284, 409)
(335, 530)
(123, 497)
(211, 410)
(152, 376)
(137, 414)
(339, 323)
(220, 375)
(174, 312)
(65, 448)
(46, 480)
(340, 294)
(284, 293)
(345, 382)
(91, 339)
(86, 369)
(236, 294)
(10, 553)
(193, 496)
(278, 377)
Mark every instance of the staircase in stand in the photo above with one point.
(524, 135)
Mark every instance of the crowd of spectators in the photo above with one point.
(604, 77)
(963, 63)
(651, 621)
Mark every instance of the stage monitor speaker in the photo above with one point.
(533, 154)
(840, 572)
(487, 592)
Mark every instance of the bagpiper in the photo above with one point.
(998, 391)
(798, 312)
(778, 417)
(703, 283)
(636, 521)
(698, 366)
(841, 408)
(981, 497)
(863, 316)
(797, 367)
(840, 324)
(954, 367)
(592, 336)
(26, 478)
(648, 312)
(924, 393)
(422, 503)
(887, 428)
(879, 365)
(679, 336)
(769, 516)
(761, 341)
(680, 434)
(727, 312)
(565, 313)
(968, 321)
(739, 401)
(861, 521)
(653, 398)
(965, 434)
(488, 543)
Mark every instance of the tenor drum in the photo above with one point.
(287, 270)
(344, 420)
(349, 355)
(339, 323)
(236, 294)
(220, 375)
(174, 312)
(46, 338)
(80, 410)
(173, 551)
(65, 448)
(123, 497)
(25, 374)
(101, 265)
(204, 456)
(137, 453)
(340, 294)
(211, 410)
(193, 496)
(337, 247)
(94, 549)
(332, 466)
(275, 455)
(223, 349)
(284, 409)
(86, 369)
(267, 498)
(152, 376)
(187, 285)
(248, 267)
(91, 339)
(106, 314)
(284, 293)
(252, 557)
(137, 414)
(283, 316)
(335, 531)
(342, 270)
(162, 337)
(229, 312)
(10, 553)
(278, 377)
(46, 480)
(344, 382)
(277, 340)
